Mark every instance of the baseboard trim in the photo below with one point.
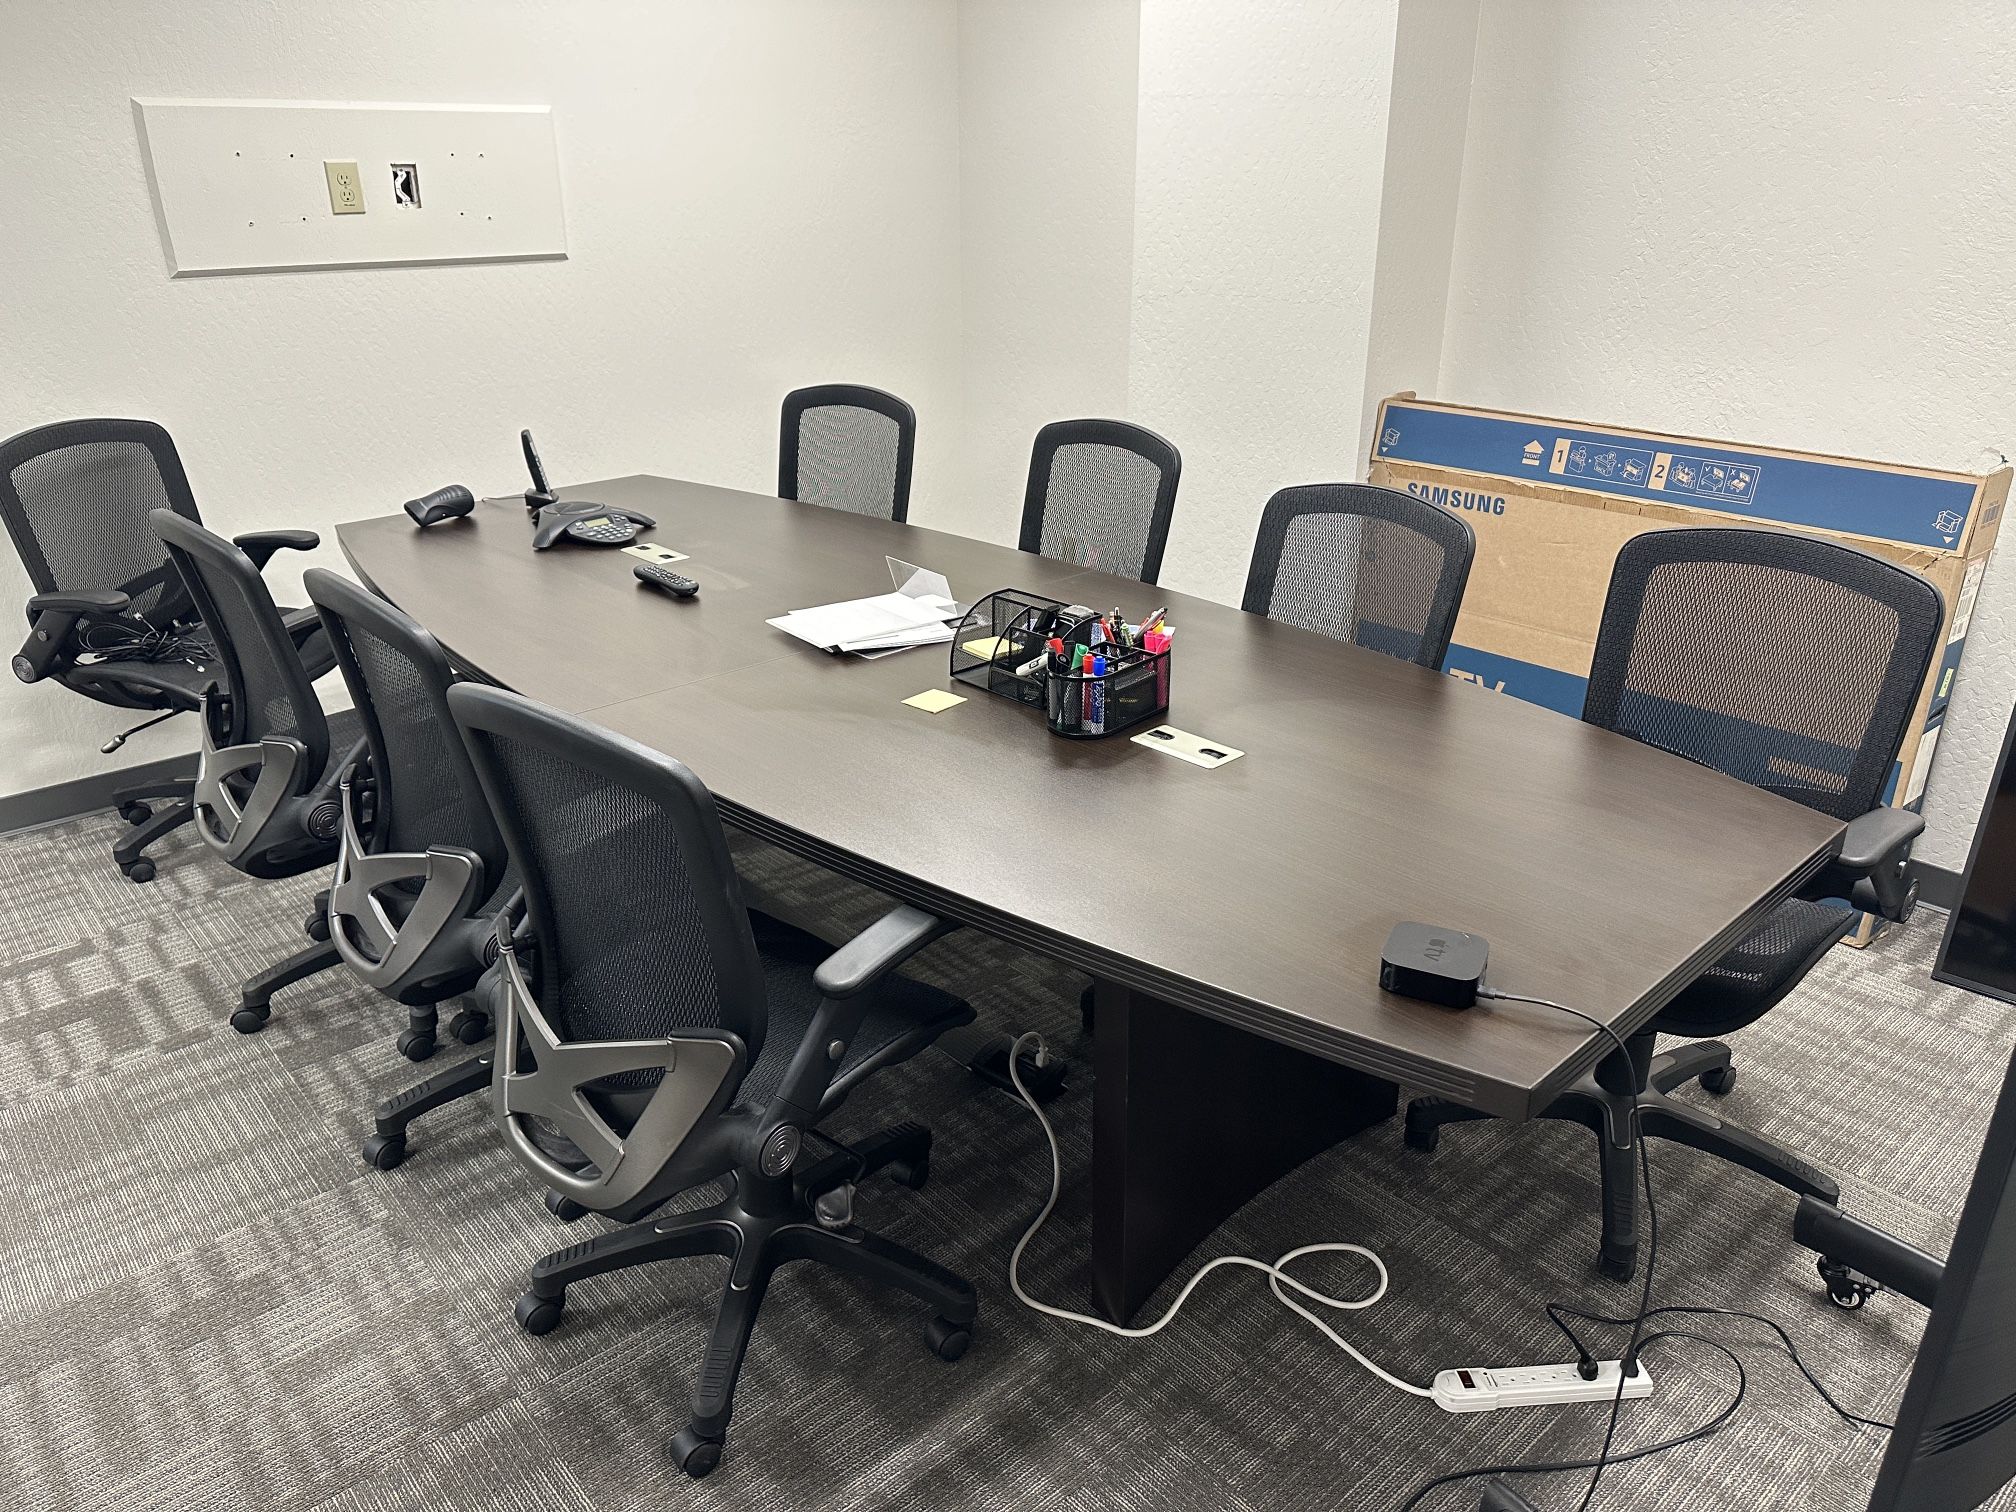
(1937, 886)
(85, 795)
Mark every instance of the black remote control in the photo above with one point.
(665, 578)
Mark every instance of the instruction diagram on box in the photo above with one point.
(1657, 471)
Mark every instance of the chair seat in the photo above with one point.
(1743, 985)
(179, 683)
(174, 684)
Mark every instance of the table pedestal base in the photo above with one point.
(1191, 1119)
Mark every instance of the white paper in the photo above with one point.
(888, 621)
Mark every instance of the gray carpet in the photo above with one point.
(207, 1303)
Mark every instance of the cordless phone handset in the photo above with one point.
(541, 492)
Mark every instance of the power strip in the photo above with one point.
(1474, 1390)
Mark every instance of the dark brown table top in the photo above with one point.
(1604, 874)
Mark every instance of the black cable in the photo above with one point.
(1628, 1365)
(1639, 1341)
(139, 640)
(1556, 1311)
(1643, 1452)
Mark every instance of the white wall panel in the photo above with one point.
(238, 184)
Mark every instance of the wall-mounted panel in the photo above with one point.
(249, 185)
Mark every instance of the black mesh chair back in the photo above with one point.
(848, 447)
(76, 497)
(629, 890)
(1101, 494)
(398, 676)
(267, 686)
(1371, 566)
(1789, 662)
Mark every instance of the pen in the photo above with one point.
(1096, 690)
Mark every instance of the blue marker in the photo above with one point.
(1096, 691)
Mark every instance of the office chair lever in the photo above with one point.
(124, 735)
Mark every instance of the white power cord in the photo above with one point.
(1277, 1277)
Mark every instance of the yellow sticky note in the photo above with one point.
(988, 647)
(933, 700)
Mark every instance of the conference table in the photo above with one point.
(1230, 918)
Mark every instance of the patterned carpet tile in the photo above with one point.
(211, 1305)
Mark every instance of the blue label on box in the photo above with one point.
(1850, 497)
(1526, 681)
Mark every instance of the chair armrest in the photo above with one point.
(100, 601)
(261, 544)
(877, 950)
(1871, 871)
(51, 618)
(1878, 837)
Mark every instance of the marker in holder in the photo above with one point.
(1004, 647)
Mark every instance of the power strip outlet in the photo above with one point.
(1475, 1390)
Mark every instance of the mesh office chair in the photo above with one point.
(1954, 1444)
(1370, 566)
(667, 1036)
(848, 447)
(109, 618)
(1101, 494)
(270, 765)
(421, 874)
(1793, 664)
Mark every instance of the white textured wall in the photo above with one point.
(1046, 146)
(1260, 161)
(1434, 55)
(1767, 220)
(758, 195)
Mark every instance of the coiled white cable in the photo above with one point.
(1277, 1277)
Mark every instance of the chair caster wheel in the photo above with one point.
(135, 812)
(910, 1173)
(138, 871)
(541, 1315)
(948, 1340)
(1845, 1289)
(1424, 1140)
(416, 1046)
(384, 1151)
(250, 1020)
(1721, 1081)
(469, 1027)
(695, 1455)
(563, 1207)
(1613, 1269)
(316, 927)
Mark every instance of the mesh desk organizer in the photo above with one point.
(1001, 647)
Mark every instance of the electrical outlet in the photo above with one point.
(346, 189)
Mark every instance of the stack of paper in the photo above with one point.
(886, 622)
(914, 615)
